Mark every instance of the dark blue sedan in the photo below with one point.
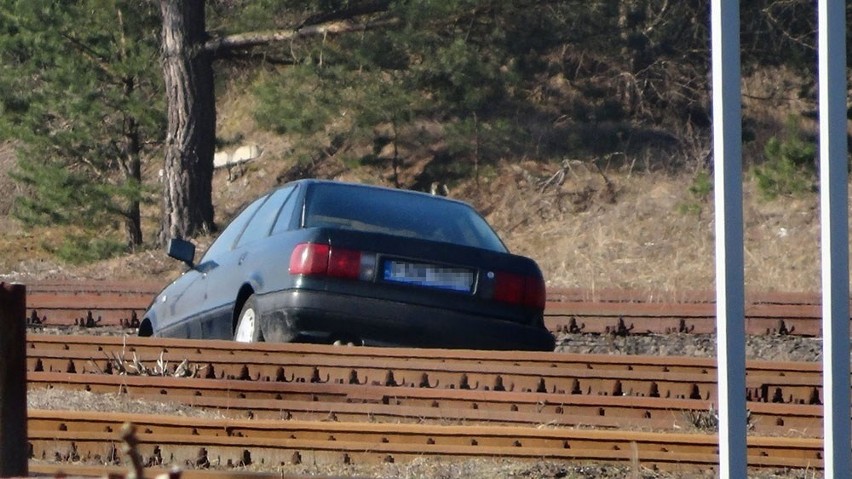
(330, 262)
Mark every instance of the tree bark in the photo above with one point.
(133, 173)
(131, 168)
(187, 57)
(131, 162)
(190, 139)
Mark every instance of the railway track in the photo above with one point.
(368, 405)
(554, 373)
(114, 303)
(66, 469)
(330, 385)
(202, 443)
(88, 303)
(358, 403)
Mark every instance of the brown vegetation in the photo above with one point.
(589, 222)
(633, 232)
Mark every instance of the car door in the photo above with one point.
(197, 300)
(267, 260)
(180, 305)
(230, 274)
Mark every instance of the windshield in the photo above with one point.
(398, 212)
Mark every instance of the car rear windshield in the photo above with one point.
(398, 212)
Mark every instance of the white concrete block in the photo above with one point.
(246, 153)
(221, 159)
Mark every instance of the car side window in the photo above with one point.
(285, 216)
(226, 239)
(261, 224)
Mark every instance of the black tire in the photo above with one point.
(248, 323)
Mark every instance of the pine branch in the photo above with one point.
(87, 52)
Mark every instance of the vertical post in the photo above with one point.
(730, 280)
(834, 224)
(13, 381)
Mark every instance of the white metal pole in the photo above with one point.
(834, 223)
(730, 282)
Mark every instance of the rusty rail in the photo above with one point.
(62, 470)
(325, 384)
(370, 403)
(624, 312)
(620, 312)
(93, 347)
(474, 391)
(232, 443)
(664, 318)
(88, 303)
(442, 385)
(690, 378)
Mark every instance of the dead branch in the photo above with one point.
(254, 39)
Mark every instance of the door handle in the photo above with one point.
(242, 257)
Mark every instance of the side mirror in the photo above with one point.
(183, 250)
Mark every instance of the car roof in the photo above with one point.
(315, 181)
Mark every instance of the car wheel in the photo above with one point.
(248, 325)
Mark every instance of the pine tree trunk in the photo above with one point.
(132, 226)
(131, 171)
(131, 166)
(131, 211)
(133, 215)
(188, 75)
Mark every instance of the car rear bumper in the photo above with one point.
(320, 316)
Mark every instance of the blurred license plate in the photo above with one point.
(429, 275)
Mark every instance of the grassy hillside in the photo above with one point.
(591, 222)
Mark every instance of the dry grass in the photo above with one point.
(638, 236)
(64, 399)
(587, 228)
(646, 239)
(7, 185)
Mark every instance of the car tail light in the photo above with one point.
(322, 259)
(344, 263)
(521, 290)
(309, 258)
(535, 294)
